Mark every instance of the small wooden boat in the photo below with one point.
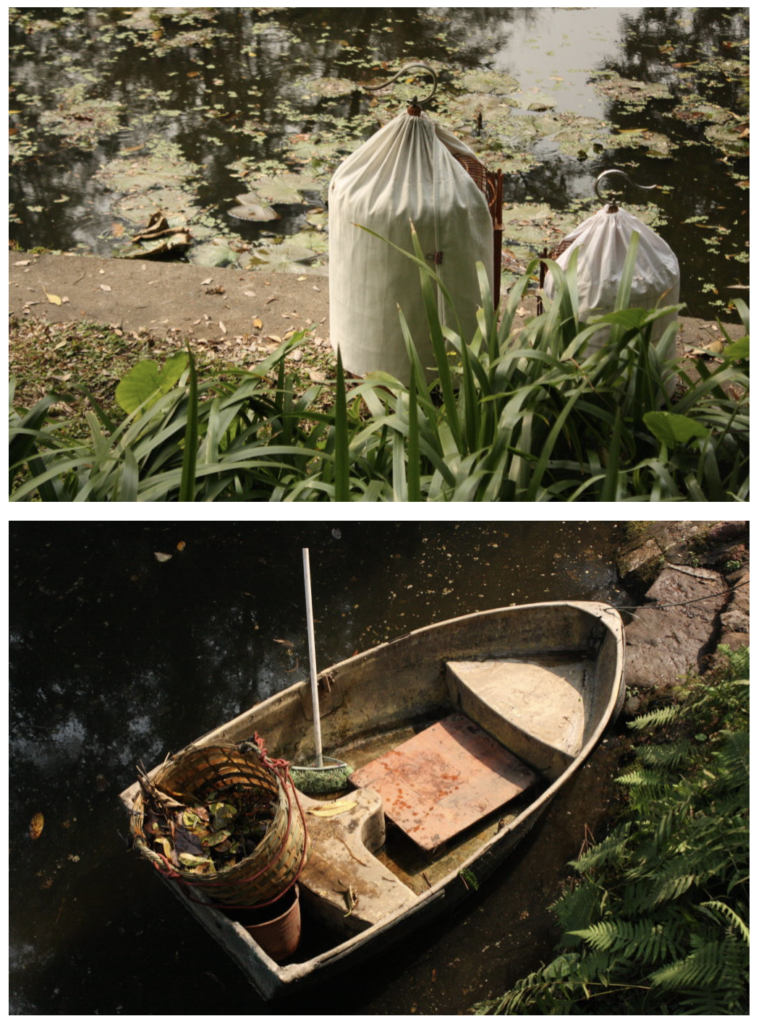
(460, 735)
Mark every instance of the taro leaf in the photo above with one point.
(672, 429)
(489, 81)
(251, 208)
(283, 188)
(147, 383)
(739, 349)
(213, 254)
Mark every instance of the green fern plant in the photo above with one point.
(658, 921)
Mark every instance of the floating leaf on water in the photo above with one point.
(36, 826)
(251, 208)
(488, 81)
(161, 556)
(137, 208)
(326, 86)
(213, 254)
(285, 189)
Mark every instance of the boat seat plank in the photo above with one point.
(444, 779)
(344, 883)
(536, 708)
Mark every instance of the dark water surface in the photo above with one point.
(118, 657)
(119, 111)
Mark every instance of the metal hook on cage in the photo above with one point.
(613, 205)
(414, 102)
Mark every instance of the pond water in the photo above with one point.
(119, 657)
(117, 113)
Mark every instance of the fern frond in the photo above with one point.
(729, 914)
(659, 717)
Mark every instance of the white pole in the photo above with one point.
(312, 653)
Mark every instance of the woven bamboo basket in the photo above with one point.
(273, 867)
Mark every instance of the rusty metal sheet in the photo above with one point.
(444, 779)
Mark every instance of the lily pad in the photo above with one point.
(488, 81)
(83, 121)
(213, 254)
(165, 166)
(326, 87)
(137, 207)
(631, 91)
(285, 257)
(284, 189)
(251, 208)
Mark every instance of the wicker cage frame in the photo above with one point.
(275, 864)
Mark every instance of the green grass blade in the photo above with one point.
(191, 441)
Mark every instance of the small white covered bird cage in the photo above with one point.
(602, 242)
(411, 172)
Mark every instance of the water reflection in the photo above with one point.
(244, 90)
(117, 657)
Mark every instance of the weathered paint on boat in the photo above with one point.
(412, 680)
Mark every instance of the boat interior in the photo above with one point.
(427, 795)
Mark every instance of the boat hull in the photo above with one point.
(410, 679)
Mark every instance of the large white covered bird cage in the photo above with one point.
(411, 172)
(602, 242)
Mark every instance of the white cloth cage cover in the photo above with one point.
(602, 242)
(404, 173)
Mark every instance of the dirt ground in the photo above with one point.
(199, 302)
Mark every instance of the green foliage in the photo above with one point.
(146, 383)
(531, 417)
(658, 921)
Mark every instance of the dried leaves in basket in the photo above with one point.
(207, 832)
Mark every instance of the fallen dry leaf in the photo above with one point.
(55, 299)
(257, 322)
(161, 556)
(105, 287)
(221, 325)
(181, 545)
(35, 826)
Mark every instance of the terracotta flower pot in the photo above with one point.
(279, 936)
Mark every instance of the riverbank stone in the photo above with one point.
(663, 644)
